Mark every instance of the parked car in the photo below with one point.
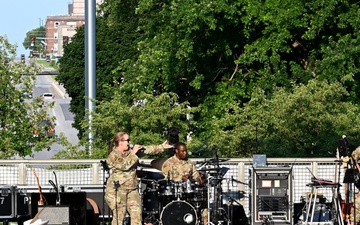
(46, 128)
(48, 96)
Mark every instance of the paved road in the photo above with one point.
(64, 118)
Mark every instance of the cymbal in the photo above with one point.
(157, 163)
(212, 160)
(143, 174)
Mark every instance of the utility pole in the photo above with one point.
(40, 22)
(90, 62)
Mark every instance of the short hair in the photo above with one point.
(179, 144)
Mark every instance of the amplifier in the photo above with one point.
(7, 209)
(56, 214)
(76, 202)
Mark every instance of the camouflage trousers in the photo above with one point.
(124, 201)
(357, 211)
(204, 216)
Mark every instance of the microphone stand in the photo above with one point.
(116, 185)
(106, 169)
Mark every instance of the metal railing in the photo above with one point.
(89, 173)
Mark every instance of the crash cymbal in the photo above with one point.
(212, 160)
(157, 163)
(144, 174)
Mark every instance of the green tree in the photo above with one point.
(146, 120)
(19, 113)
(116, 38)
(38, 33)
(306, 121)
(214, 55)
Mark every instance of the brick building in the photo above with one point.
(57, 27)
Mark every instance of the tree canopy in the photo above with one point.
(20, 114)
(37, 33)
(271, 77)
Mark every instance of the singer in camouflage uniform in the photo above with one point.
(121, 188)
(179, 168)
(356, 212)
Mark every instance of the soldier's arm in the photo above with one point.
(165, 169)
(156, 149)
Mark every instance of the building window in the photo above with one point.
(56, 24)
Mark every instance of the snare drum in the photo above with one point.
(178, 213)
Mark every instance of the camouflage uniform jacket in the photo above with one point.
(123, 166)
(176, 168)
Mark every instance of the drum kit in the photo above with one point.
(169, 202)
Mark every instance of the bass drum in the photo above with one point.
(178, 213)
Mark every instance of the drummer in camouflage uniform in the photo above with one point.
(354, 218)
(121, 188)
(179, 168)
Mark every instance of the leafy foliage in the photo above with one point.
(19, 113)
(267, 77)
(38, 33)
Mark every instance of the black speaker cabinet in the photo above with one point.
(7, 208)
(22, 203)
(74, 202)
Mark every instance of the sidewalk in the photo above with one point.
(61, 92)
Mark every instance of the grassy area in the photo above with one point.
(47, 64)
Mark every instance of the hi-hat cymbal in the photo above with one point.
(143, 174)
(157, 163)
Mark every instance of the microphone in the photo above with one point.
(168, 176)
(131, 146)
(346, 141)
(232, 181)
(140, 152)
(116, 184)
(104, 165)
(203, 148)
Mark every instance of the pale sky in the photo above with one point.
(20, 16)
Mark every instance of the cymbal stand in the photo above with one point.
(230, 202)
(208, 202)
(217, 191)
